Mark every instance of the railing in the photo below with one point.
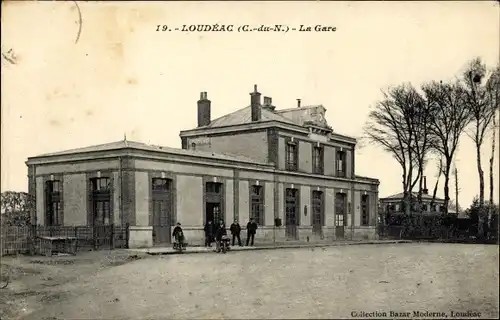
(466, 232)
(23, 239)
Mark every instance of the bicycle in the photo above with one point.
(179, 243)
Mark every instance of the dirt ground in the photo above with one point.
(38, 281)
(329, 282)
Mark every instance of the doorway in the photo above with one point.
(291, 213)
(340, 210)
(213, 202)
(162, 210)
(213, 212)
(100, 189)
(317, 213)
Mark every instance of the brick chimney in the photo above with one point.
(203, 110)
(255, 104)
(425, 190)
(298, 103)
(268, 104)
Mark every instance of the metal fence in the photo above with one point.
(446, 230)
(22, 239)
(14, 239)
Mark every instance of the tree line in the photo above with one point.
(417, 125)
(16, 207)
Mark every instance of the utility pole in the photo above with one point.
(456, 190)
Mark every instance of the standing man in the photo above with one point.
(251, 229)
(235, 231)
(209, 232)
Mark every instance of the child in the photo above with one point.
(178, 234)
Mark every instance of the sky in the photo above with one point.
(74, 85)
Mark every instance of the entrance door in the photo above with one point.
(213, 212)
(101, 207)
(213, 201)
(340, 208)
(162, 211)
(102, 225)
(317, 213)
(291, 213)
(161, 222)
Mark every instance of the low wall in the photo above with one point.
(193, 235)
(140, 237)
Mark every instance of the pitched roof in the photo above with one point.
(124, 144)
(400, 196)
(243, 116)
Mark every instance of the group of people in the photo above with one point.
(215, 232)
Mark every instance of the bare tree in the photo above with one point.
(392, 125)
(456, 188)
(493, 94)
(478, 101)
(492, 157)
(423, 141)
(438, 176)
(448, 121)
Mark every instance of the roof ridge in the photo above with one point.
(81, 148)
(151, 147)
(225, 116)
(301, 108)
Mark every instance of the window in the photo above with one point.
(291, 193)
(55, 186)
(257, 191)
(213, 187)
(391, 207)
(317, 196)
(317, 209)
(101, 200)
(365, 213)
(102, 213)
(161, 184)
(291, 207)
(257, 204)
(53, 213)
(317, 160)
(291, 156)
(100, 184)
(341, 164)
(340, 208)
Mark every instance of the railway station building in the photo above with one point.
(286, 168)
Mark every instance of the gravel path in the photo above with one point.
(293, 283)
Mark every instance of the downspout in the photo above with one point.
(34, 189)
(120, 203)
(353, 196)
(352, 208)
(276, 201)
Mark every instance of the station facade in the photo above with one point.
(287, 169)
